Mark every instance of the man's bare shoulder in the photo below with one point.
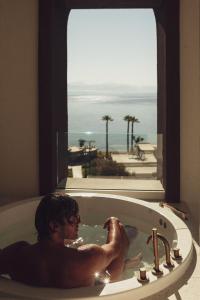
(14, 246)
(10, 254)
(13, 249)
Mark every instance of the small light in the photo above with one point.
(96, 275)
(106, 280)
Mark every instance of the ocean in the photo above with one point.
(87, 107)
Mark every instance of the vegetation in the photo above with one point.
(101, 154)
(133, 120)
(138, 139)
(107, 119)
(81, 142)
(102, 167)
(85, 170)
(91, 143)
(128, 119)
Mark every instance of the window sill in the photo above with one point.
(142, 189)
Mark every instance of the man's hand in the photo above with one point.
(114, 222)
(110, 221)
(109, 256)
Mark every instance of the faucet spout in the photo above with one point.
(148, 239)
(154, 238)
(167, 250)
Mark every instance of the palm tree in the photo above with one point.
(107, 119)
(90, 142)
(133, 120)
(139, 139)
(81, 142)
(128, 119)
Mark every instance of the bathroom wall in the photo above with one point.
(18, 98)
(190, 108)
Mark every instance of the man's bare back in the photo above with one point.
(42, 264)
(49, 263)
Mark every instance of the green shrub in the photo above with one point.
(103, 167)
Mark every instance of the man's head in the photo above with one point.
(57, 214)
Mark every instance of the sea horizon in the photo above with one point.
(87, 104)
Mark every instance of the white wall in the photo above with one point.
(190, 107)
(18, 98)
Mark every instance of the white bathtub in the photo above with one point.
(94, 209)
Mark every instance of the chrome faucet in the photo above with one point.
(155, 236)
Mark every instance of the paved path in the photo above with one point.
(77, 172)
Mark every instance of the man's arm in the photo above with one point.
(117, 241)
(98, 258)
(8, 256)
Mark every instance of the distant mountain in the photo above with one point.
(108, 89)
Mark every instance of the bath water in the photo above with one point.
(97, 235)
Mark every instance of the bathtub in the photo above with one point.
(94, 209)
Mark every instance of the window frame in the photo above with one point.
(53, 16)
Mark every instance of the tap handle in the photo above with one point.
(177, 255)
(142, 278)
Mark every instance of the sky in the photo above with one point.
(115, 46)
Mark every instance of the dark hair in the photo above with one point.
(53, 208)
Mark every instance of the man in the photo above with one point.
(49, 263)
